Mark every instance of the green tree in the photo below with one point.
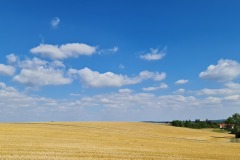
(177, 123)
(234, 120)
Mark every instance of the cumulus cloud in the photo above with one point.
(32, 63)
(12, 58)
(55, 22)
(181, 81)
(153, 55)
(152, 75)
(109, 79)
(37, 72)
(41, 77)
(64, 51)
(180, 91)
(161, 86)
(225, 70)
(7, 70)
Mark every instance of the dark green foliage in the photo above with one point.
(195, 124)
(236, 131)
(177, 123)
(234, 120)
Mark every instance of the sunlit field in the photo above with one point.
(112, 140)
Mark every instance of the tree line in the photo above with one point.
(231, 124)
(197, 124)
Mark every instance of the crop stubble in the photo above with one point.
(112, 140)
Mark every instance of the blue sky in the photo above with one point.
(89, 60)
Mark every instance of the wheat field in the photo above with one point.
(112, 140)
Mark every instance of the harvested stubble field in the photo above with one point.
(112, 140)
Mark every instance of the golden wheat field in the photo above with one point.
(112, 140)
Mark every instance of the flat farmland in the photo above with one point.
(112, 140)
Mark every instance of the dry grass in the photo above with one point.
(112, 140)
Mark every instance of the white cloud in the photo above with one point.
(57, 64)
(161, 86)
(37, 72)
(225, 70)
(12, 58)
(55, 22)
(230, 89)
(7, 70)
(8, 95)
(109, 79)
(32, 63)
(154, 55)
(222, 91)
(125, 90)
(114, 49)
(22, 107)
(41, 77)
(152, 75)
(4, 87)
(122, 105)
(64, 51)
(213, 100)
(108, 51)
(142, 100)
(232, 85)
(181, 81)
(180, 91)
(150, 88)
(146, 106)
(17, 106)
(233, 97)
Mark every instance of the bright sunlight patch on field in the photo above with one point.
(112, 140)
